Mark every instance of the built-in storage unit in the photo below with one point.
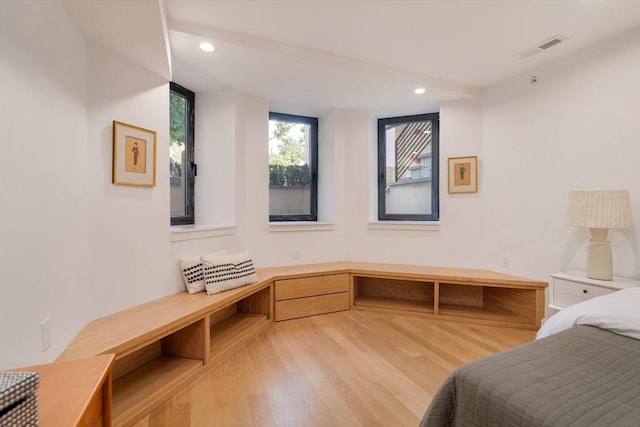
(162, 346)
(393, 294)
(488, 302)
(485, 296)
(308, 296)
(236, 323)
(147, 375)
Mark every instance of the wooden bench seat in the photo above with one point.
(162, 345)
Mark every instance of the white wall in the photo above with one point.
(128, 225)
(215, 137)
(74, 246)
(271, 247)
(44, 262)
(232, 186)
(578, 127)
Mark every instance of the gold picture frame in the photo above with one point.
(463, 174)
(134, 155)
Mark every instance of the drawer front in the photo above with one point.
(565, 300)
(311, 286)
(302, 307)
(566, 293)
(580, 290)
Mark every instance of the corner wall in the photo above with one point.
(128, 225)
(44, 262)
(238, 197)
(576, 128)
(74, 246)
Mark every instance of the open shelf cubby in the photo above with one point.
(393, 294)
(149, 374)
(486, 302)
(236, 323)
(505, 304)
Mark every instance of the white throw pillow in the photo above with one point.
(192, 272)
(224, 272)
(616, 312)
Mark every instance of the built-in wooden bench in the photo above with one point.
(162, 345)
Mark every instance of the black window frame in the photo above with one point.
(313, 166)
(188, 173)
(435, 168)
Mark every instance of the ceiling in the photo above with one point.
(356, 53)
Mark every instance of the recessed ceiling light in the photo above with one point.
(419, 91)
(207, 47)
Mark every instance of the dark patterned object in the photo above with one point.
(18, 403)
(193, 274)
(225, 272)
(222, 273)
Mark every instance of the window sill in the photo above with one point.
(192, 232)
(405, 225)
(285, 226)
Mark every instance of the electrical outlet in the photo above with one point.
(45, 333)
(505, 260)
(296, 253)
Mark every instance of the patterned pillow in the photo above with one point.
(192, 273)
(224, 272)
(18, 404)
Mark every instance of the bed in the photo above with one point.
(582, 370)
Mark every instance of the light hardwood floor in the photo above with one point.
(352, 368)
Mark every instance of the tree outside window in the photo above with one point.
(292, 167)
(181, 147)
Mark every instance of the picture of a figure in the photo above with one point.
(461, 174)
(136, 151)
(135, 155)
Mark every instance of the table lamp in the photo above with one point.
(599, 210)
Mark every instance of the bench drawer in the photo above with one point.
(311, 286)
(310, 306)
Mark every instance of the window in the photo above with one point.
(293, 168)
(408, 168)
(182, 168)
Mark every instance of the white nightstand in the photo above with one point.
(573, 287)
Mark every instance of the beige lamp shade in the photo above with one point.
(599, 209)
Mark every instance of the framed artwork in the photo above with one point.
(134, 155)
(463, 174)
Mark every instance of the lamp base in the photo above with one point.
(599, 259)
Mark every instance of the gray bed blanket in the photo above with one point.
(583, 376)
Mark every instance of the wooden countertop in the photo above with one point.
(67, 390)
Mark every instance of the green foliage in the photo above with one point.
(289, 176)
(290, 149)
(287, 167)
(177, 119)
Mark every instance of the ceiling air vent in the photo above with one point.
(547, 44)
